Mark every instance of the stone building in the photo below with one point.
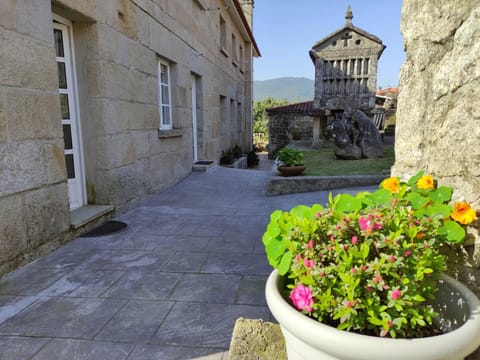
(104, 102)
(346, 68)
(345, 78)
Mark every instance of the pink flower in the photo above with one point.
(408, 253)
(301, 297)
(298, 258)
(353, 271)
(310, 244)
(354, 240)
(369, 289)
(396, 294)
(348, 304)
(308, 263)
(391, 259)
(367, 224)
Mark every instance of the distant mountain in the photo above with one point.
(289, 88)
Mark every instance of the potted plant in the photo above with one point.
(290, 161)
(362, 278)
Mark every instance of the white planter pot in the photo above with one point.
(307, 339)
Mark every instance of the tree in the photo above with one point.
(260, 120)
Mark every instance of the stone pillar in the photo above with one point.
(317, 136)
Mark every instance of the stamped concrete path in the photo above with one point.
(170, 287)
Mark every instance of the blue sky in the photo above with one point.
(285, 31)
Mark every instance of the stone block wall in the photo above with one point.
(438, 116)
(283, 126)
(117, 46)
(33, 189)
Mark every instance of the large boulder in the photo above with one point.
(356, 136)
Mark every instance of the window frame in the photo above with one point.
(161, 105)
(223, 35)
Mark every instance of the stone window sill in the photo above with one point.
(170, 133)
(224, 52)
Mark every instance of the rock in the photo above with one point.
(356, 137)
(257, 340)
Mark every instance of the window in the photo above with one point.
(223, 34)
(164, 97)
(234, 49)
(242, 58)
(239, 117)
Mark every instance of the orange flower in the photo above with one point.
(391, 184)
(463, 213)
(426, 182)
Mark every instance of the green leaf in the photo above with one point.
(273, 230)
(442, 194)
(453, 231)
(380, 197)
(414, 179)
(365, 249)
(275, 250)
(418, 201)
(419, 298)
(440, 210)
(284, 264)
(347, 203)
(375, 321)
(301, 211)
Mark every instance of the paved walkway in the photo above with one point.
(170, 287)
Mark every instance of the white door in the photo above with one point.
(194, 118)
(70, 121)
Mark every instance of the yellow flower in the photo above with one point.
(391, 184)
(426, 182)
(463, 213)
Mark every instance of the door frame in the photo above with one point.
(69, 54)
(194, 116)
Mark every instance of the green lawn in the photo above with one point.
(323, 162)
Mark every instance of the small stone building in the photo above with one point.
(104, 102)
(345, 78)
(346, 68)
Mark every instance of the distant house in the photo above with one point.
(386, 97)
(105, 102)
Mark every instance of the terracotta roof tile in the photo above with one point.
(300, 107)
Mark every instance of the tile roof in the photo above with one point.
(305, 108)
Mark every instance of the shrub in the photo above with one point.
(290, 157)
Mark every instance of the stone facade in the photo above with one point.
(438, 116)
(113, 51)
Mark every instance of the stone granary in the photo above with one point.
(346, 68)
(105, 102)
(345, 78)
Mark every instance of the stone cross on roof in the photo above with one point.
(345, 38)
(349, 15)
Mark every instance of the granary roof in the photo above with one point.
(305, 108)
(349, 27)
